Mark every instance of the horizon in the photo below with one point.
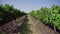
(29, 5)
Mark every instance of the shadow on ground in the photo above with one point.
(23, 29)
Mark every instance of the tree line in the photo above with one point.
(9, 13)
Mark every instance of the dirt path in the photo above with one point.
(11, 26)
(36, 26)
(40, 27)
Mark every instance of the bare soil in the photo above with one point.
(11, 26)
(40, 27)
(37, 26)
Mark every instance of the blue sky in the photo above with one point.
(28, 5)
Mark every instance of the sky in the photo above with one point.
(29, 5)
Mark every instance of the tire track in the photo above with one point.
(41, 27)
(10, 27)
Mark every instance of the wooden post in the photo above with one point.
(54, 28)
